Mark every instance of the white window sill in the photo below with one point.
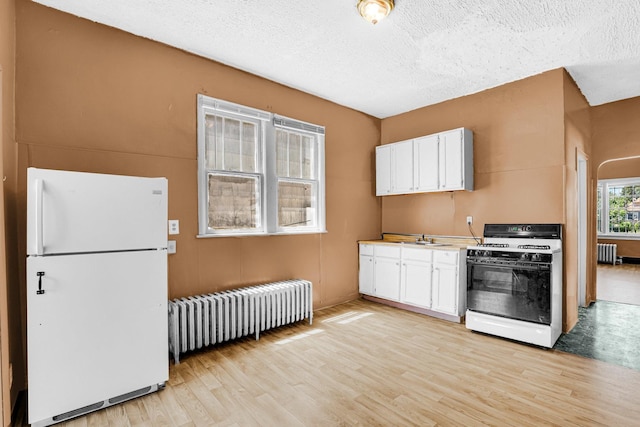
(289, 233)
(619, 236)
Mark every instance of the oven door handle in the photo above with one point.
(540, 267)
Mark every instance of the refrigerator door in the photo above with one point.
(98, 331)
(76, 212)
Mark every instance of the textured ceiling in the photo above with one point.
(425, 52)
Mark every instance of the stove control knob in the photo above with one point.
(486, 253)
(536, 257)
(524, 256)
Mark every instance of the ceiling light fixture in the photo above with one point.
(375, 11)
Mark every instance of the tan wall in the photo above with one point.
(616, 135)
(615, 130)
(577, 141)
(519, 163)
(626, 168)
(518, 159)
(11, 343)
(524, 159)
(91, 98)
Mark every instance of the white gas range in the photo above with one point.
(514, 283)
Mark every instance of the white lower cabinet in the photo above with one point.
(416, 276)
(425, 278)
(416, 283)
(445, 289)
(366, 274)
(445, 282)
(386, 278)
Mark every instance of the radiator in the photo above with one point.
(607, 252)
(203, 320)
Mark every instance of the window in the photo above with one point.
(297, 148)
(258, 173)
(619, 207)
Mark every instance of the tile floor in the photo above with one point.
(608, 330)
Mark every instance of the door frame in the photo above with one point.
(582, 168)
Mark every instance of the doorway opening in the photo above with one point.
(618, 223)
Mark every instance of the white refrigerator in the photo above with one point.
(97, 324)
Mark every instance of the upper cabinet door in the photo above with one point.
(402, 168)
(425, 166)
(451, 172)
(438, 162)
(383, 170)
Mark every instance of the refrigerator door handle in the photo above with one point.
(40, 291)
(38, 217)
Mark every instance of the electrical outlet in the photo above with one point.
(174, 226)
(171, 247)
(469, 220)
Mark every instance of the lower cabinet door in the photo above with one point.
(416, 280)
(387, 274)
(366, 275)
(445, 289)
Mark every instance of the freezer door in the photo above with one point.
(76, 212)
(99, 330)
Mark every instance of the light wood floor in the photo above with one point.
(619, 283)
(362, 363)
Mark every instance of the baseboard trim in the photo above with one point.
(419, 310)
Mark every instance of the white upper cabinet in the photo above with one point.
(425, 163)
(456, 160)
(402, 168)
(438, 162)
(383, 170)
(394, 168)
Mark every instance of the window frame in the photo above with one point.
(266, 165)
(602, 192)
(316, 133)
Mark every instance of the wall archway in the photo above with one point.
(620, 168)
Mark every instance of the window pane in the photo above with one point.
(599, 215)
(233, 202)
(249, 136)
(282, 155)
(213, 142)
(294, 155)
(296, 204)
(232, 145)
(624, 205)
(308, 157)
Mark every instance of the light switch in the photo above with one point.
(171, 247)
(174, 226)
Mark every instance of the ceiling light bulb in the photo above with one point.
(374, 10)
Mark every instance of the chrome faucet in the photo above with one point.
(421, 239)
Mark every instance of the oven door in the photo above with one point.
(519, 291)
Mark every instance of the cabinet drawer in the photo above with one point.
(417, 254)
(366, 249)
(445, 257)
(387, 251)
